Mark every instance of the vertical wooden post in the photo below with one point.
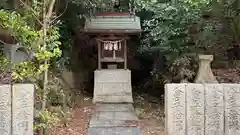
(99, 54)
(114, 54)
(125, 54)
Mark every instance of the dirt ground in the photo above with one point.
(150, 110)
(151, 119)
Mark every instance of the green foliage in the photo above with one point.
(182, 68)
(66, 46)
(4, 70)
(24, 70)
(4, 63)
(235, 28)
(180, 29)
(32, 40)
(47, 119)
(168, 31)
(19, 28)
(216, 33)
(27, 29)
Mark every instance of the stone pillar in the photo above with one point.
(22, 109)
(205, 74)
(232, 107)
(5, 110)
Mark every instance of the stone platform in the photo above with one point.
(112, 86)
(114, 119)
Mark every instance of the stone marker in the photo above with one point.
(195, 109)
(175, 109)
(214, 109)
(5, 110)
(232, 109)
(23, 109)
(202, 109)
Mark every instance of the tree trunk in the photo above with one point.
(46, 23)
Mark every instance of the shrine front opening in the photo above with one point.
(112, 52)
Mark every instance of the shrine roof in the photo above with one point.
(113, 23)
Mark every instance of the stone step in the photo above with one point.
(114, 131)
(114, 119)
(113, 123)
(102, 115)
(114, 107)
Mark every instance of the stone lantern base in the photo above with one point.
(205, 74)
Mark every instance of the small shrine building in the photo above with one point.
(112, 29)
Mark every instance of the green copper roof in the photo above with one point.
(125, 24)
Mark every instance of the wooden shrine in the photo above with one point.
(112, 49)
(111, 31)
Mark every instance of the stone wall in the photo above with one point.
(16, 109)
(202, 109)
(16, 53)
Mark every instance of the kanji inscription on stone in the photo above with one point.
(214, 109)
(232, 109)
(175, 102)
(5, 110)
(23, 105)
(195, 109)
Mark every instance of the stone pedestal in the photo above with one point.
(114, 113)
(112, 86)
(205, 74)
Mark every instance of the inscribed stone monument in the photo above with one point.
(195, 109)
(175, 109)
(5, 110)
(202, 109)
(214, 109)
(23, 107)
(232, 109)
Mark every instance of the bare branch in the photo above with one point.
(90, 2)
(65, 9)
(4, 42)
(33, 12)
(50, 10)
